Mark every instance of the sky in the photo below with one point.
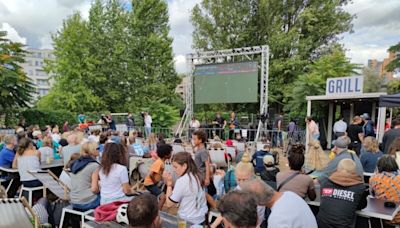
(376, 26)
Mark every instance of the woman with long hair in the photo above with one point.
(188, 191)
(27, 159)
(315, 158)
(113, 181)
(371, 154)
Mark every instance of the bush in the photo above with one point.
(48, 117)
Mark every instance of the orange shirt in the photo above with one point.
(387, 186)
(157, 168)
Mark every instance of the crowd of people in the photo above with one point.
(259, 192)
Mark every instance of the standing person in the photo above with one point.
(194, 125)
(277, 133)
(291, 129)
(356, 134)
(202, 157)
(26, 159)
(288, 210)
(152, 181)
(111, 123)
(339, 128)
(371, 155)
(219, 123)
(81, 118)
(233, 124)
(83, 178)
(313, 129)
(147, 123)
(390, 136)
(342, 193)
(368, 127)
(130, 121)
(188, 191)
(65, 127)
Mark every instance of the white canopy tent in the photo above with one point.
(349, 98)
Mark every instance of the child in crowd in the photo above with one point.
(152, 181)
(269, 173)
(258, 157)
(202, 157)
(188, 190)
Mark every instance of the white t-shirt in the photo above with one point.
(291, 204)
(147, 121)
(111, 185)
(191, 198)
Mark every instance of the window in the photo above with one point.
(30, 62)
(39, 55)
(42, 82)
(30, 72)
(43, 92)
(36, 63)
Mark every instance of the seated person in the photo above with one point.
(342, 194)
(270, 171)
(234, 216)
(143, 212)
(7, 153)
(152, 181)
(371, 154)
(112, 178)
(84, 171)
(384, 183)
(64, 176)
(258, 156)
(294, 180)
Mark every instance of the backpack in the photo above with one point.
(230, 180)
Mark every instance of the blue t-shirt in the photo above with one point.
(258, 157)
(368, 161)
(6, 157)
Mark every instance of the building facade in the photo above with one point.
(33, 67)
(379, 67)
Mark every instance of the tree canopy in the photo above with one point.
(16, 89)
(117, 60)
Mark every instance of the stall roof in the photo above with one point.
(345, 97)
(392, 100)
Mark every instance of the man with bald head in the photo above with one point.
(288, 210)
(342, 194)
(73, 147)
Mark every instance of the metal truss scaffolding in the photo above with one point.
(221, 56)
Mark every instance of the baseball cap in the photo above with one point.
(365, 116)
(341, 142)
(268, 160)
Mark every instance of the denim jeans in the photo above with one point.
(147, 131)
(277, 135)
(84, 207)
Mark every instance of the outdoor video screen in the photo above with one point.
(226, 83)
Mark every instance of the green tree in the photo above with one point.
(372, 81)
(393, 86)
(296, 31)
(72, 70)
(16, 89)
(312, 83)
(116, 60)
(395, 64)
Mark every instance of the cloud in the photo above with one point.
(35, 20)
(12, 34)
(376, 28)
(180, 63)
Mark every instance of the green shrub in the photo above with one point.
(48, 117)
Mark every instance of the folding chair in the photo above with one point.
(13, 213)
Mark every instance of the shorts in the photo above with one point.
(154, 189)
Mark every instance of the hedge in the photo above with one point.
(48, 117)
